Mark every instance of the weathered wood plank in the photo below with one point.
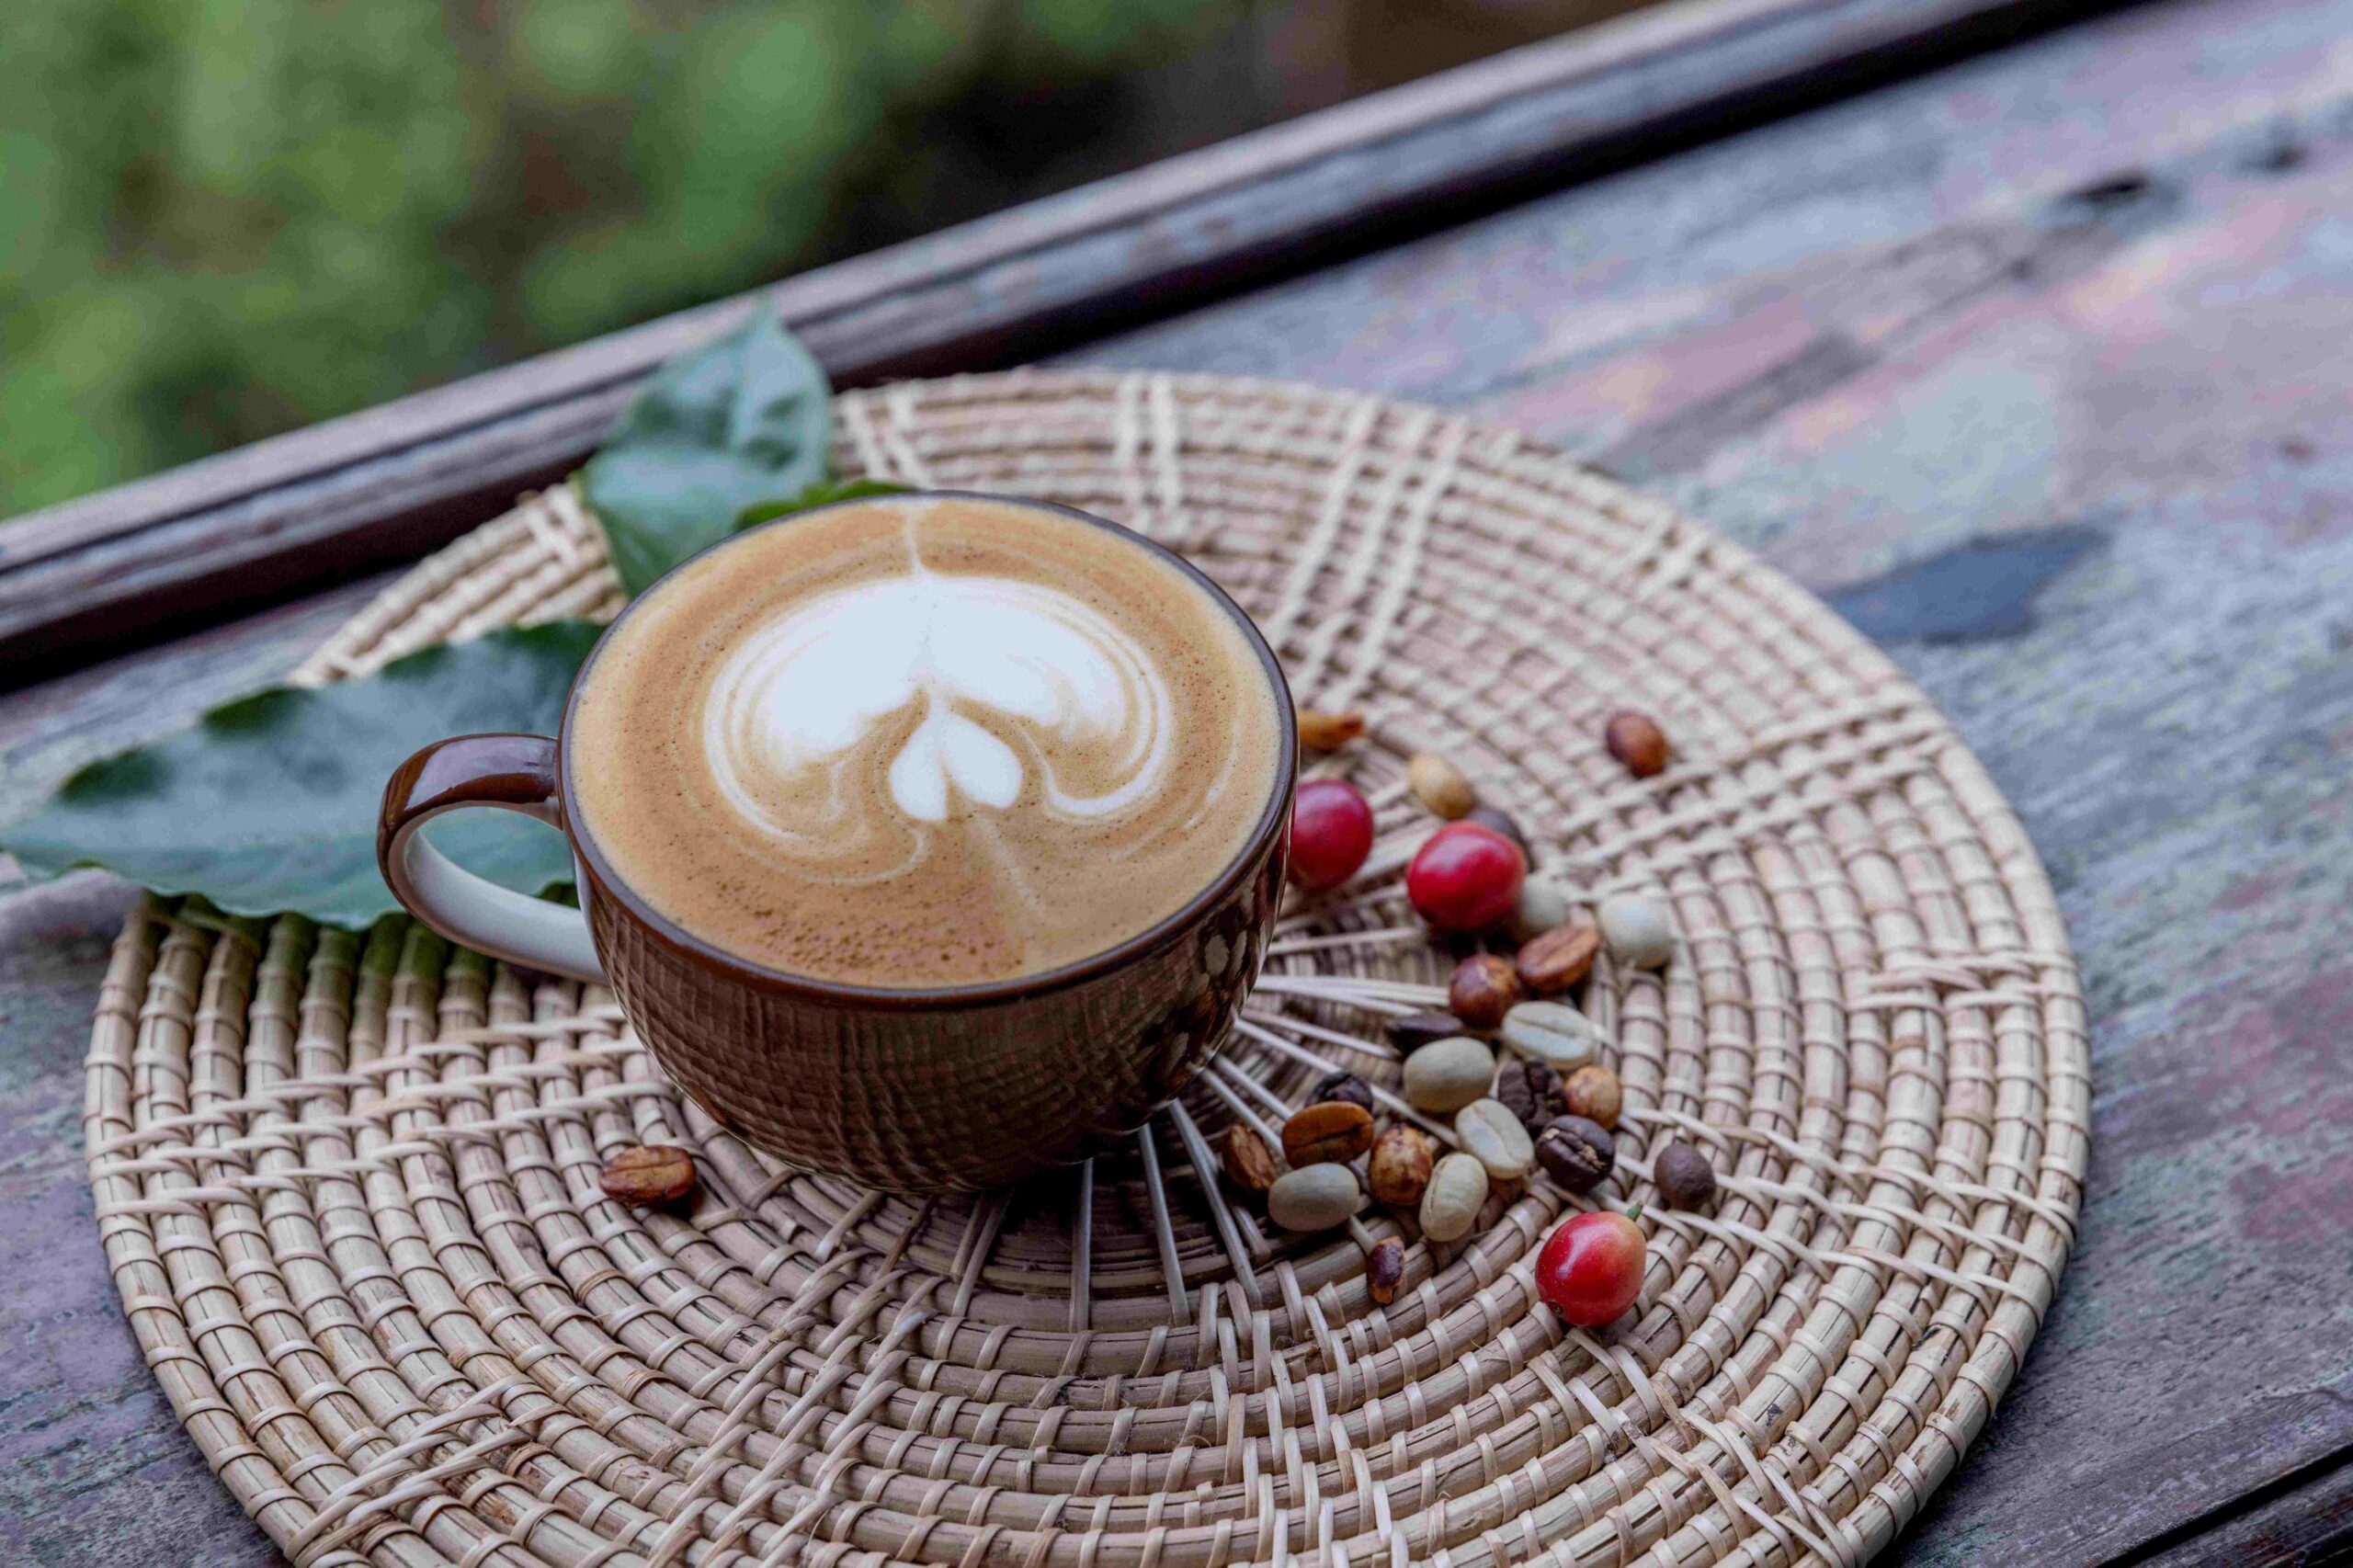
(95, 1470)
(190, 547)
(2297, 1526)
(2100, 442)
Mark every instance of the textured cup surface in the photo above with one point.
(939, 1087)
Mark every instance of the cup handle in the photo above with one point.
(513, 773)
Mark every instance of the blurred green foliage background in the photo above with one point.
(221, 218)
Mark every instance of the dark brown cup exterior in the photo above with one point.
(964, 1088)
(914, 1095)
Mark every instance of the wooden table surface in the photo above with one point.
(2036, 367)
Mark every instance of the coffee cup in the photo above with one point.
(926, 840)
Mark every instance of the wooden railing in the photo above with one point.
(264, 523)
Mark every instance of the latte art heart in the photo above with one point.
(1014, 684)
(924, 741)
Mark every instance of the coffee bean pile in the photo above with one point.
(1549, 1106)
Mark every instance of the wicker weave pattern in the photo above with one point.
(348, 1184)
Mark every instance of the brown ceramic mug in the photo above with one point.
(953, 1087)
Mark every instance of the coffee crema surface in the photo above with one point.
(923, 742)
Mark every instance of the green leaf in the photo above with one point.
(739, 421)
(824, 493)
(269, 803)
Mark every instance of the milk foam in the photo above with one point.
(923, 741)
(987, 661)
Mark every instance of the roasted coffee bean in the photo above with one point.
(1593, 1092)
(1557, 959)
(1249, 1164)
(1577, 1153)
(1637, 742)
(1384, 1270)
(1330, 1132)
(644, 1177)
(1684, 1178)
(1346, 1086)
(1416, 1030)
(1399, 1170)
(1483, 988)
(1528, 1090)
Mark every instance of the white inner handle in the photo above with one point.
(474, 912)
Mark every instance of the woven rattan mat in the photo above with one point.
(348, 1184)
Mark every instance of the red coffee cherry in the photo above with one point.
(1591, 1269)
(1465, 877)
(1330, 833)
